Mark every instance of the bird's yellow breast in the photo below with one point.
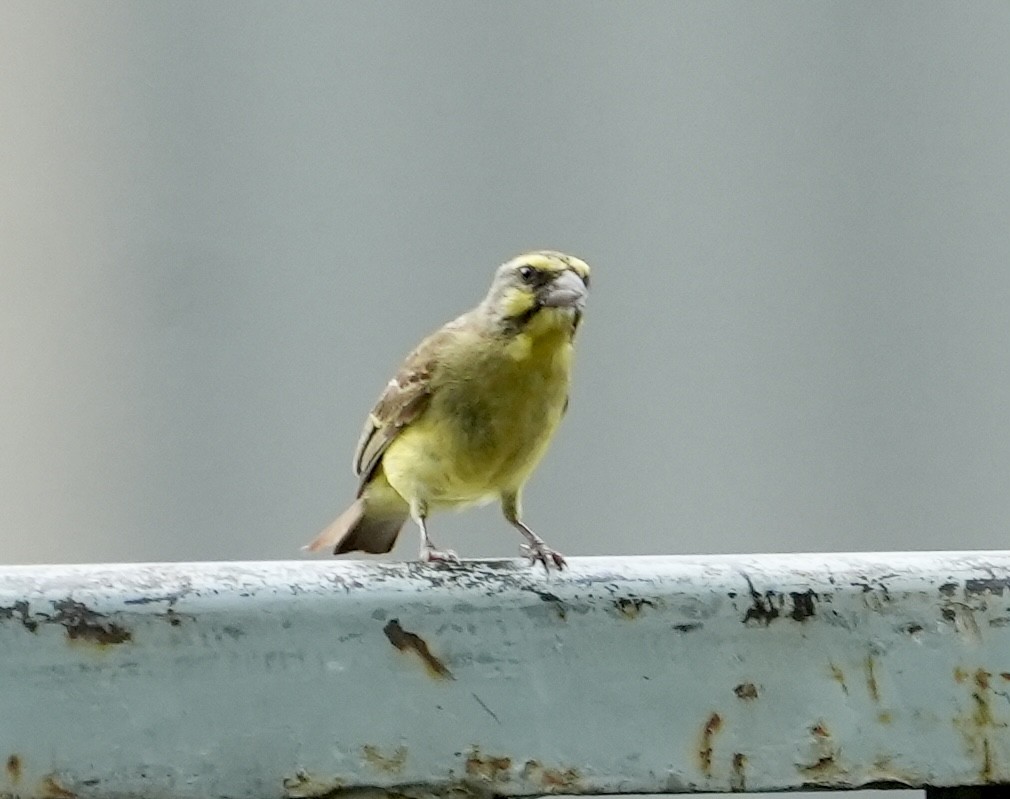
(493, 411)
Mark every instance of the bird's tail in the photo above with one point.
(358, 530)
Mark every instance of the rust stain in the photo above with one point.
(408, 641)
(976, 726)
(550, 779)
(820, 730)
(14, 768)
(391, 764)
(712, 726)
(488, 767)
(738, 780)
(885, 717)
(871, 678)
(631, 607)
(839, 677)
(51, 789)
(746, 690)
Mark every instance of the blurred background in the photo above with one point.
(223, 225)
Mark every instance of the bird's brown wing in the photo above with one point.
(405, 398)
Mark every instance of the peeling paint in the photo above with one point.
(803, 604)
(51, 789)
(82, 624)
(630, 607)
(762, 609)
(406, 641)
(305, 786)
(990, 585)
(560, 607)
(391, 764)
(488, 767)
(824, 768)
(910, 690)
(20, 611)
(551, 780)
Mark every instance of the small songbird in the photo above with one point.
(470, 413)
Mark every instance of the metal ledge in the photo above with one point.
(634, 675)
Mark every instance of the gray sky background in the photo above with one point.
(224, 224)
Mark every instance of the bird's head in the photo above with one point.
(539, 292)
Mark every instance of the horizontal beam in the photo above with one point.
(634, 675)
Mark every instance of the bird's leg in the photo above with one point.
(429, 553)
(535, 548)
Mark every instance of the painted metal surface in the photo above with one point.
(637, 675)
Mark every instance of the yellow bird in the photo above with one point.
(470, 413)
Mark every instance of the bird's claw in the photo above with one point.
(541, 553)
(432, 555)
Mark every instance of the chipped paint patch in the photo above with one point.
(406, 641)
(746, 691)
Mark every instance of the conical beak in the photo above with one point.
(567, 290)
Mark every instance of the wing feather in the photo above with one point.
(404, 400)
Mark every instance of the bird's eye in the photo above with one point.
(527, 273)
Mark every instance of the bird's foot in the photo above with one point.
(539, 552)
(431, 555)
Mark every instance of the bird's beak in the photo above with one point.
(567, 290)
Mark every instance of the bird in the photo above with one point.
(470, 413)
